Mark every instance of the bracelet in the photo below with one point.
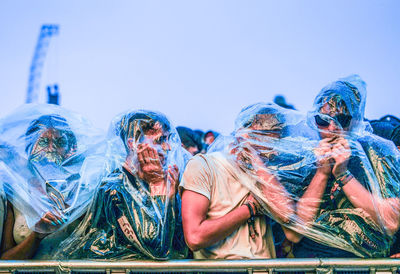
(252, 214)
(250, 221)
(344, 178)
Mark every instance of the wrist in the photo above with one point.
(343, 178)
(39, 236)
(251, 208)
(322, 173)
(157, 189)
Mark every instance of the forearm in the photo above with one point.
(24, 250)
(360, 197)
(279, 204)
(210, 231)
(308, 205)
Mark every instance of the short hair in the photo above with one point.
(134, 123)
(266, 117)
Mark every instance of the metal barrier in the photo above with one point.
(290, 266)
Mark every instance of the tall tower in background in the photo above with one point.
(35, 71)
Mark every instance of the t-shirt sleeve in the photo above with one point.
(197, 176)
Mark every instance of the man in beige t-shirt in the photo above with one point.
(216, 205)
(217, 181)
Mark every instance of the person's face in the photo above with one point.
(53, 145)
(157, 138)
(330, 128)
(209, 139)
(192, 150)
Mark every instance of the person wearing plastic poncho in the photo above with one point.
(221, 218)
(42, 150)
(136, 210)
(350, 206)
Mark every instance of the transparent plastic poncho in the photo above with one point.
(136, 210)
(3, 206)
(278, 152)
(43, 150)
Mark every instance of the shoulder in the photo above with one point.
(199, 175)
(372, 141)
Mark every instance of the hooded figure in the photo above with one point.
(350, 206)
(43, 151)
(228, 191)
(136, 210)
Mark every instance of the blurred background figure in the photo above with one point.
(209, 138)
(281, 101)
(190, 140)
(388, 127)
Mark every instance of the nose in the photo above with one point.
(333, 126)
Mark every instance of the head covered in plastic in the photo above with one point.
(136, 209)
(270, 143)
(349, 152)
(139, 127)
(341, 104)
(45, 148)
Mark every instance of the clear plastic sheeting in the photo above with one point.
(136, 209)
(334, 183)
(3, 206)
(43, 149)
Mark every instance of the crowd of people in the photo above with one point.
(282, 184)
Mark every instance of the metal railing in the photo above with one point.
(292, 266)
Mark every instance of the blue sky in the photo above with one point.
(200, 62)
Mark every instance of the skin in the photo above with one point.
(48, 142)
(28, 247)
(151, 162)
(52, 143)
(192, 150)
(334, 153)
(209, 139)
(201, 231)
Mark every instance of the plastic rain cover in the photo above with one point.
(42, 153)
(351, 205)
(136, 210)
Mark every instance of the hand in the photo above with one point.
(341, 153)
(173, 179)
(151, 169)
(323, 153)
(49, 222)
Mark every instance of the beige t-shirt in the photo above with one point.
(213, 176)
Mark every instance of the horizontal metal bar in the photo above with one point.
(198, 265)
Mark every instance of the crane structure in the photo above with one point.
(39, 56)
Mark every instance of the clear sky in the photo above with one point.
(200, 62)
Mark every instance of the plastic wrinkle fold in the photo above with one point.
(328, 179)
(43, 152)
(135, 212)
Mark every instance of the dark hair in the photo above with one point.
(128, 126)
(189, 138)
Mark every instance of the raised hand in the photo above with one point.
(173, 179)
(341, 153)
(324, 156)
(49, 223)
(151, 169)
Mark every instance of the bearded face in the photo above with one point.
(52, 146)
